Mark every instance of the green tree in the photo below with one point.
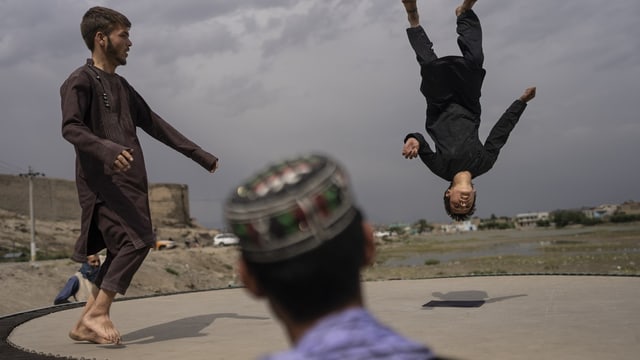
(622, 217)
(542, 223)
(563, 218)
(396, 230)
(422, 225)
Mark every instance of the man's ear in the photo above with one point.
(249, 281)
(369, 244)
(100, 39)
(448, 193)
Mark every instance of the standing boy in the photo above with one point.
(100, 114)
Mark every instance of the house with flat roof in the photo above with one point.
(531, 219)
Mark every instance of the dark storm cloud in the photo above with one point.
(324, 21)
(33, 34)
(253, 81)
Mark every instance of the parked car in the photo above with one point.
(165, 244)
(225, 239)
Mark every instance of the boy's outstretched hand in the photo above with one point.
(529, 94)
(410, 148)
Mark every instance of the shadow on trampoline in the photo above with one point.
(465, 299)
(188, 327)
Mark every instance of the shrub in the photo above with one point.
(622, 218)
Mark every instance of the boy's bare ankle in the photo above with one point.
(414, 20)
(412, 12)
(466, 5)
(409, 4)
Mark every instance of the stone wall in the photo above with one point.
(169, 204)
(57, 199)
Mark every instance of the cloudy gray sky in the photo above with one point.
(256, 80)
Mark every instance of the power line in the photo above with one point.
(8, 167)
(31, 174)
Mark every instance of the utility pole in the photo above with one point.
(31, 174)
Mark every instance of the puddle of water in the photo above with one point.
(528, 248)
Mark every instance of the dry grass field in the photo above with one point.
(602, 249)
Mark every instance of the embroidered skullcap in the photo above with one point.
(290, 207)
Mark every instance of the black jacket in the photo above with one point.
(457, 146)
(452, 87)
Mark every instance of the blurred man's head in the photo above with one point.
(302, 239)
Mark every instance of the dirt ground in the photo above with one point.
(28, 286)
(605, 249)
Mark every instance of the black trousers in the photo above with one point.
(451, 79)
(469, 41)
(123, 259)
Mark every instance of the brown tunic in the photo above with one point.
(100, 114)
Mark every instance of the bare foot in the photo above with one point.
(466, 5)
(81, 333)
(412, 12)
(102, 326)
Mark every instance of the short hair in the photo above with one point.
(459, 217)
(100, 19)
(317, 282)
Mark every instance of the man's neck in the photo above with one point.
(103, 64)
(296, 330)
